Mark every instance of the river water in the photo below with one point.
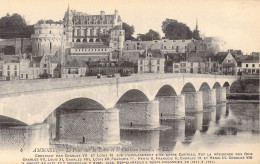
(228, 125)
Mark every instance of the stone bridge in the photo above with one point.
(141, 100)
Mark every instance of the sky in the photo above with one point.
(237, 22)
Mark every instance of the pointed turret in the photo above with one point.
(197, 28)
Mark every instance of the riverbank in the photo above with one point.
(243, 97)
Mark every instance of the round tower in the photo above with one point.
(48, 39)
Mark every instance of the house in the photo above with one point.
(10, 68)
(48, 64)
(190, 63)
(250, 66)
(229, 65)
(75, 68)
(222, 63)
(29, 68)
(151, 61)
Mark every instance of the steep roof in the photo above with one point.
(155, 53)
(89, 45)
(76, 64)
(52, 58)
(196, 58)
(37, 59)
(250, 61)
(10, 58)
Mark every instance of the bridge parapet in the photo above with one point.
(23, 86)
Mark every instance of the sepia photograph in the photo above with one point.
(129, 81)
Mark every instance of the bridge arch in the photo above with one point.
(216, 85)
(204, 86)
(227, 85)
(81, 103)
(8, 121)
(188, 87)
(133, 95)
(166, 90)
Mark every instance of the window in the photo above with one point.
(8, 67)
(253, 65)
(50, 32)
(50, 45)
(8, 73)
(246, 65)
(158, 68)
(176, 66)
(191, 64)
(45, 65)
(22, 76)
(229, 61)
(38, 47)
(158, 61)
(15, 73)
(15, 67)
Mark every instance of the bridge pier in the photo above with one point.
(52, 122)
(193, 101)
(209, 97)
(89, 126)
(171, 106)
(221, 94)
(139, 114)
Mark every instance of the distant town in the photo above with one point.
(102, 45)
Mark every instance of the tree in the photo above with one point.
(176, 30)
(14, 27)
(129, 31)
(196, 35)
(150, 35)
(49, 21)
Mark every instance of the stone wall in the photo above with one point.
(171, 105)
(209, 97)
(221, 94)
(89, 126)
(22, 45)
(139, 113)
(193, 101)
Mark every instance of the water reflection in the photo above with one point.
(24, 138)
(230, 123)
(169, 138)
(145, 140)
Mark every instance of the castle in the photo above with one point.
(101, 38)
(80, 36)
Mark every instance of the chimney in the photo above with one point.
(116, 13)
(102, 13)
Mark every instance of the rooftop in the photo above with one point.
(89, 45)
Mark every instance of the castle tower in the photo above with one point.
(48, 39)
(197, 28)
(117, 38)
(68, 24)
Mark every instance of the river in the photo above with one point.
(228, 125)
